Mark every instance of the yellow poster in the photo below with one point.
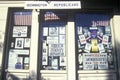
(94, 45)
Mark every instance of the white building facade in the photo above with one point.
(58, 44)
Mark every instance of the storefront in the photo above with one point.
(59, 44)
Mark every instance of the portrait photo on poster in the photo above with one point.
(53, 31)
(20, 31)
(19, 42)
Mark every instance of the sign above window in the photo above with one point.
(52, 5)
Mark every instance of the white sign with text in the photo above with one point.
(52, 5)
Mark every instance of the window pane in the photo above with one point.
(53, 41)
(94, 39)
(19, 44)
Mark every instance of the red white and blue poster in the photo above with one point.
(94, 37)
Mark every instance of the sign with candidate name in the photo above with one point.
(95, 61)
(56, 49)
(52, 5)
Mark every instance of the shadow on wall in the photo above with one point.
(116, 62)
(32, 76)
(13, 77)
(10, 76)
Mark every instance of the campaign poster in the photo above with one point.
(80, 58)
(95, 61)
(94, 45)
(101, 48)
(26, 60)
(105, 39)
(45, 48)
(87, 63)
(107, 30)
(20, 31)
(62, 30)
(62, 39)
(62, 61)
(52, 40)
(85, 31)
(14, 62)
(45, 31)
(27, 42)
(79, 46)
(56, 50)
(88, 47)
(103, 63)
(21, 52)
(44, 60)
(53, 31)
(82, 39)
(93, 32)
(19, 63)
(19, 43)
(79, 30)
(26, 63)
(55, 64)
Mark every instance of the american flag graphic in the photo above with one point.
(51, 16)
(22, 18)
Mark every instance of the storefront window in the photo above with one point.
(54, 41)
(94, 39)
(19, 44)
